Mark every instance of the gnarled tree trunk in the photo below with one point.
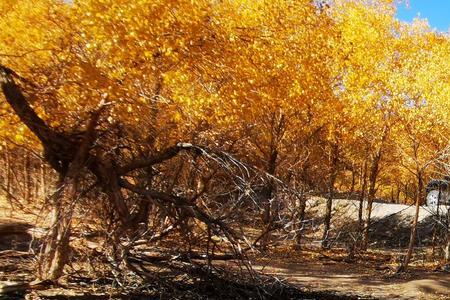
(55, 252)
(68, 158)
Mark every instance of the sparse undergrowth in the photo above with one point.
(184, 280)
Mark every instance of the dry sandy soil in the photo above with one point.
(369, 277)
(366, 280)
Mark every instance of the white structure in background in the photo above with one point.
(438, 196)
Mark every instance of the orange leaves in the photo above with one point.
(233, 67)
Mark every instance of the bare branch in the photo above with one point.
(157, 158)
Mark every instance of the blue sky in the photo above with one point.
(436, 11)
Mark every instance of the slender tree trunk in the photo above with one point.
(374, 169)
(270, 187)
(406, 192)
(447, 246)
(301, 204)
(144, 207)
(435, 228)
(362, 195)
(43, 182)
(27, 177)
(352, 187)
(268, 193)
(8, 176)
(329, 205)
(412, 238)
(36, 180)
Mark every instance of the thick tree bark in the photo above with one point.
(68, 158)
(144, 207)
(108, 176)
(55, 253)
(59, 149)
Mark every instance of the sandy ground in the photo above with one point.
(363, 278)
(354, 279)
